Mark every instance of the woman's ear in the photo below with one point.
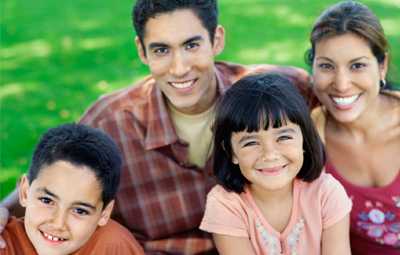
(383, 67)
(106, 214)
(23, 190)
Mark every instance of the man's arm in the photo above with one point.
(9, 205)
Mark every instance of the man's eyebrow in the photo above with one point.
(192, 39)
(48, 192)
(157, 45)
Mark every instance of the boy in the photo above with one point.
(68, 195)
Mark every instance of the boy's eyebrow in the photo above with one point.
(48, 192)
(85, 205)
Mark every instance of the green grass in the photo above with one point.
(57, 57)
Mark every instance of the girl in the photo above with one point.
(268, 158)
(359, 121)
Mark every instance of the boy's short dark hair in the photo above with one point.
(205, 10)
(262, 98)
(81, 146)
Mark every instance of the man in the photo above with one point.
(163, 123)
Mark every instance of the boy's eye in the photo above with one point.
(45, 200)
(80, 211)
(192, 45)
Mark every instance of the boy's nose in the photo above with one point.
(59, 219)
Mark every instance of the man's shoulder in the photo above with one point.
(132, 98)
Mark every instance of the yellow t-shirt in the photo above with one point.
(196, 130)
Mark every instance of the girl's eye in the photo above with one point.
(250, 143)
(80, 211)
(284, 138)
(45, 200)
(357, 66)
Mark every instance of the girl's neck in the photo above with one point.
(267, 196)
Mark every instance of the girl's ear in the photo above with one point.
(106, 214)
(23, 190)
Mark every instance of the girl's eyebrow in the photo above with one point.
(246, 137)
(286, 130)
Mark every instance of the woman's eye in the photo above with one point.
(81, 211)
(357, 66)
(45, 200)
(325, 66)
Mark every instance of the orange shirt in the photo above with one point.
(110, 239)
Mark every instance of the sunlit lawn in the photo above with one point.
(57, 57)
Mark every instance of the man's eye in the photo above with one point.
(45, 200)
(160, 51)
(80, 211)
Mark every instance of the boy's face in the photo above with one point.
(178, 50)
(63, 208)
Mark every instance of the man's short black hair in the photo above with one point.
(269, 100)
(81, 146)
(205, 10)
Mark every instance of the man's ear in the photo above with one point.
(106, 214)
(141, 50)
(23, 190)
(219, 40)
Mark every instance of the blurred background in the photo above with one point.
(58, 57)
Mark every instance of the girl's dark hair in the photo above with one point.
(350, 17)
(270, 99)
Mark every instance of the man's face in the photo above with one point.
(178, 50)
(63, 208)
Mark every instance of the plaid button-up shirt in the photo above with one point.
(162, 197)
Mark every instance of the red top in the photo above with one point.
(162, 197)
(375, 217)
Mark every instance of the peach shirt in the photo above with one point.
(316, 206)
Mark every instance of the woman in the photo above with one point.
(359, 121)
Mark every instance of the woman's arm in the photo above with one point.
(335, 239)
(231, 245)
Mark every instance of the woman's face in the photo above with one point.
(346, 76)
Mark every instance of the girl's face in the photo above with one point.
(269, 159)
(346, 76)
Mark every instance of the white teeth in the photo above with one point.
(53, 238)
(182, 85)
(345, 100)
